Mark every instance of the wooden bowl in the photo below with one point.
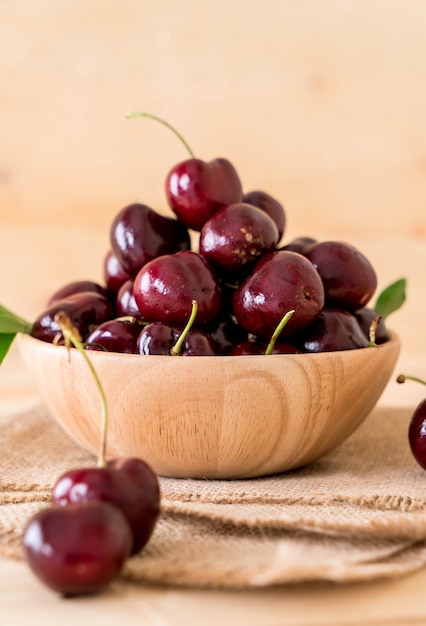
(213, 417)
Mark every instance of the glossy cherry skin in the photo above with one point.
(140, 234)
(196, 189)
(114, 274)
(78, 549)
(236, 237)
(125, 303)
(269, 205)
(349, 278)
(78, 286)
(165, 288)
(417, 434)
(282, 281)
(159, 339)
(248, 348)
(365, 318)
(129, 484)
(114, 336)
(334, 329)
(226, 334)
(86, 311)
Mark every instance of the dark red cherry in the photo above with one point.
(365, 317)
(349, 278)
(114, 336)
(86, 311)
(78, 286)
(417, 434)
(227, 333)
(165, 288)
(236, 237)
(196, 189)
(129, 484)
(248, 348)
(160, 339)
(77, 549)
(270, 205)
(114, 274)
(280, 282)
(140, 234)
(334, 329)
(125, 303)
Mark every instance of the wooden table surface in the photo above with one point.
(41, 267)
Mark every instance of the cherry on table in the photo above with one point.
(417, 426)
(77, 549)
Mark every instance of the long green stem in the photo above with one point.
(169, 126)
(277, 332)
(72, 337)
(177, 348)
(402, 378)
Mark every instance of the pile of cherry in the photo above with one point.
(241, 275)
(239, 289)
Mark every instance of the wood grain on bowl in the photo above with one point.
(213, 417)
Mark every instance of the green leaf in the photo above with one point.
(11, 323)
(5, 343)
(391, 298)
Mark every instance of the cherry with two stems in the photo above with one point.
(417, 427)
(99, 516)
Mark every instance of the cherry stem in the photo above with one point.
(277, 332)
(372, 331)
(73, 337)
(160, 119)
(177, 348)
(402, 378)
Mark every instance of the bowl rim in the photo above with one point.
(394, 340)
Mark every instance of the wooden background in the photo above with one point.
(320, 102)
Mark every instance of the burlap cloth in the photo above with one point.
(358, 513)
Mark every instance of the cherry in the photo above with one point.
(248, 348)
(129, 484)
(349, 278)
(417, 427)
(114, 274)
(266, 348)
(77, 286)
(140, 234)
(367, 316)
(334, 329)
(77, 549)
(166, 286)
(270, 205)
(86, 310)
(236, 236)
(114, 336)
(125, 303)
(98, 516)
(280, 281)
(227, 333)
(196, 189)
(161, 339)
